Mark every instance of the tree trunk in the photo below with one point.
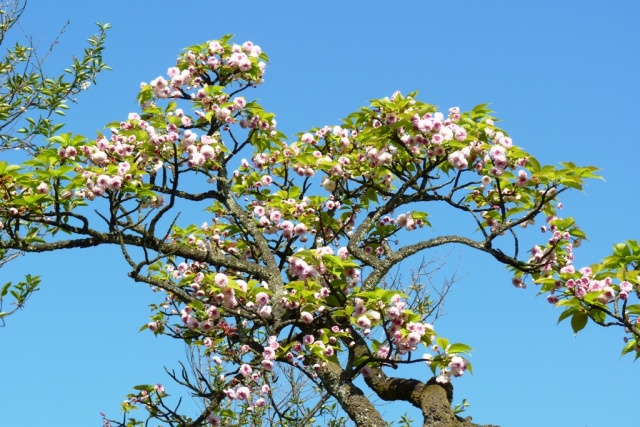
(435, 403)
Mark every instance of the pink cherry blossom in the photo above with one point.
(243, 393)
(221, 280)
(457, 366)
(245, 370)
(43, 188)
(363, 322)
(262, 298)
(306, 317)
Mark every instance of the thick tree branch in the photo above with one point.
(359, 409)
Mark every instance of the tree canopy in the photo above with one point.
(287, 280)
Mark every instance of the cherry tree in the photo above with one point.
(30, 101)
(271, 256)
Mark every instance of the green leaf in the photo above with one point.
(567, 313)
(5, 289)
(629, 347)
(443, 343)
(598, 316)
(534, 164)
(143, 387)
(572, 302)
(579, 321)
(633, 309)
(361, 360)
(576, 232)
(6, 168)
(621, 249)
(459, 348)
(332, 301)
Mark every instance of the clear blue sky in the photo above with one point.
(564, 76)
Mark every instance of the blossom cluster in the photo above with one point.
(271, 219)
(406, 221)
(98, 184)
(236, 61)
(404, 334)
(558, 252)
(606, 288)
(434, 132)
(455, 367)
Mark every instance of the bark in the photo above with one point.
(357, 406)
(432, 398)
(435, 403)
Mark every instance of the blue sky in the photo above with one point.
(563, 77)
